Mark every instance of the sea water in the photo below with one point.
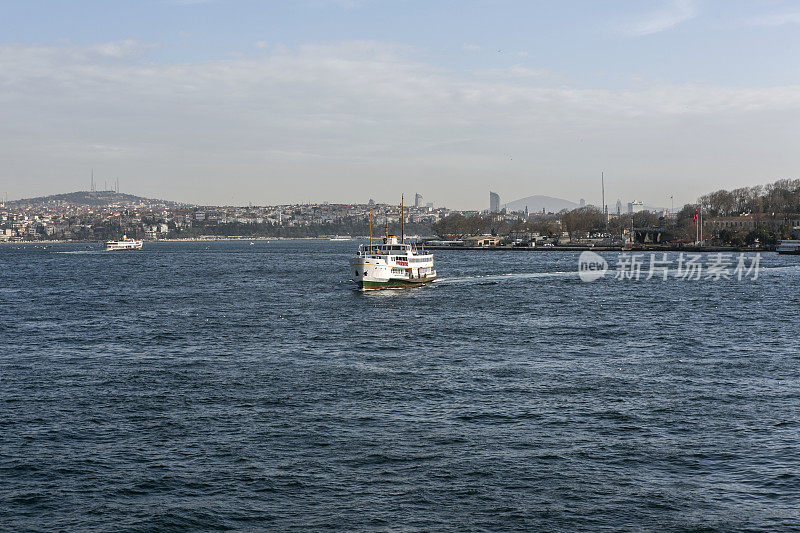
(218, 385)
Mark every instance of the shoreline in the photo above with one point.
(603, 248)
(188, 239)
(567, 248)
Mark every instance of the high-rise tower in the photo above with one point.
(494, 202)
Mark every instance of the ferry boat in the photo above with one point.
(123, 244)
(392, 264)
(788, 247)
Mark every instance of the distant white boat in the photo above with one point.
(788, 247)
(123, 244)
(340, 238)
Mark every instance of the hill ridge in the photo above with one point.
(93, 198)
(538, 202)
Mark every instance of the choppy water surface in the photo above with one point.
(221, 385)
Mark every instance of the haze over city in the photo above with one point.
(237, 102)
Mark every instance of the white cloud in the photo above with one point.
(122, 49)
(677, 12)
(518, 72)
(260, 44)
(468, 47)
(332, 118)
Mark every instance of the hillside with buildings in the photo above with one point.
(758, 215)
(103, 215)
(92, 198)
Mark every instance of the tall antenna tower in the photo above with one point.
(91, 187)
(603, 187)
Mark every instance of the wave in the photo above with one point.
(507, 276)
(82, 252)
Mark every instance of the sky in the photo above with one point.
(230, 102)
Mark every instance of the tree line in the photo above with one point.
(782, 196)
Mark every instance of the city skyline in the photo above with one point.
(496, 202)
(238, 102)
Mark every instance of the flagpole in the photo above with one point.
(402, 220)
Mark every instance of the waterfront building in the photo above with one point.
(482, 241)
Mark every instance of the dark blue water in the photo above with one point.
(224, 386)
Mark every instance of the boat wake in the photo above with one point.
(82, 252)
(504, 277)
(782, 267)
(672, 274)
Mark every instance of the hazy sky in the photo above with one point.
(237, 101)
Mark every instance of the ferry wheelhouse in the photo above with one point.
(392, 264)
(123, 244)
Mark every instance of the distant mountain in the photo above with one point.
(535, 204)
(93, 198)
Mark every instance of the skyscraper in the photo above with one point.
(418, 200)
(494, 202)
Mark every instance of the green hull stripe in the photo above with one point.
(393, 284)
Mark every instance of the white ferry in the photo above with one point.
(123, 244)
(391, 264)
(789, 247)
